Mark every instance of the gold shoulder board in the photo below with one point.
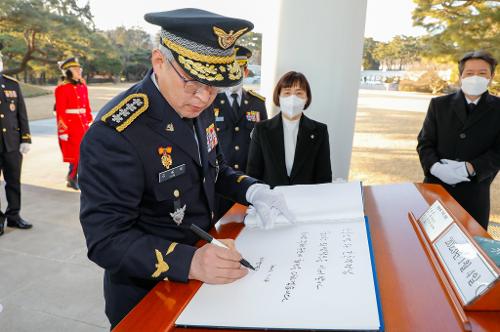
(255, 94)
(123, 114)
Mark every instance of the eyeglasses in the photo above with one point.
(193, 86)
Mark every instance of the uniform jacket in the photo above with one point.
(13, 117)
(234, 132)
(448, 133)
(142, 184)
(73, 117)
(311, 165)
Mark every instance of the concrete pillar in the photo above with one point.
(323, 39)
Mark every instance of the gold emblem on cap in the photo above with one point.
(227, 40)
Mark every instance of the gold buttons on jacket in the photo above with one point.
(1, 116)
(4, 130)
(236, 128)
(236, 166)
(462, 136)
(177, 193)
(237, 148)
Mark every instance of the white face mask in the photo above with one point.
(292, 105)
(475, 85)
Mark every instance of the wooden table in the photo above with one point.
(411, 294)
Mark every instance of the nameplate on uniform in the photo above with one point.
(470, 273)
(219, 118)
(435, 220)
(171, 173)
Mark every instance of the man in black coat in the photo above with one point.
(15, 140)
(237, 110)
(150, 166)
(459, 144)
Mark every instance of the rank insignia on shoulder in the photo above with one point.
(169, 127)
(255, 94)
(166, 158)
(253, 116)
(211, 137)
(123, 114)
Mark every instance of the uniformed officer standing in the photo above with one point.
(15, 140)
(73, 116)
(236, 112)
(150, 166)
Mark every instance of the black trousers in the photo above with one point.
(10, 166)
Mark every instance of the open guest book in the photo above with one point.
(317, 274)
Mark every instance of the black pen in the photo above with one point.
(209, 238)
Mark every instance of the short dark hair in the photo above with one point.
(481, 55)
(289, 80)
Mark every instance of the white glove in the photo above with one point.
(460, 167)
(449, 173)
(64, 137)
(24, 148)
(268, 204)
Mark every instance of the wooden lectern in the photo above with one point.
(412, 295)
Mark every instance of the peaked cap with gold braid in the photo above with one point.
(202, 43)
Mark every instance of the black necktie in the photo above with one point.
(470, 108)
(235, 106)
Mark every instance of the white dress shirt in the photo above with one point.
(290, 132)
(230, 98)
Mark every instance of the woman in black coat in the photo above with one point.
(290, 148)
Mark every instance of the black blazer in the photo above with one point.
(266, 158)
(448, 133)
(14, 123)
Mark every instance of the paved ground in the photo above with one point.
(46, 281)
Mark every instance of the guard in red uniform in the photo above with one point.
(73, 116)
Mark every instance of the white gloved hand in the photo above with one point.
(64, 137)
(448, 173)
(268, 204)
(459, 167)
(24, 148)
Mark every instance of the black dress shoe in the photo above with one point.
(72, 183)
(20, 223)
(1, 227)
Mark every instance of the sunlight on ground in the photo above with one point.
(384, 151)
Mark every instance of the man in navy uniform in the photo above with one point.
(150, 166)
(15, 140)
(236, 112)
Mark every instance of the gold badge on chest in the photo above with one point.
(166, 158)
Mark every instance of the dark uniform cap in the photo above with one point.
(242, 55)
(202, 43)
(70, 62)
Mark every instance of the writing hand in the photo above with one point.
(215, 265)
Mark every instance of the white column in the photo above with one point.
(323, 39)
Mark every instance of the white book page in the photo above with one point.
(311, 276)
(319, 203)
